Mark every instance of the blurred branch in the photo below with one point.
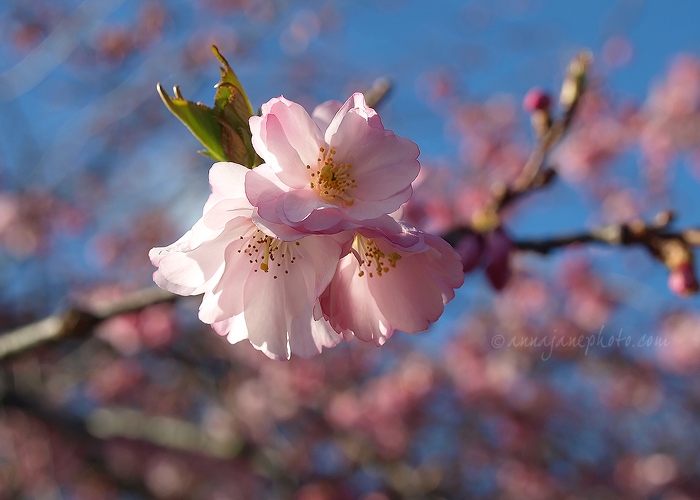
(167, 432)
(76, 322)
(376, 94)
(654, 236)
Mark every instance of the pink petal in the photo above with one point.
(407, 295)
(383, 163)
(308, 337)
(350, 306)
(444, 263)
(357, 106)
(226, 212)
(299, 203)
(319, 255)
(185, 270)
(234, 329)
(227, 179)
(265, 315)
(288, 139)
(263, 189)
(364, 210)
(324, 113)
(379, 287)
(225, 297)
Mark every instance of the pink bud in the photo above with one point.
(536, 99)
(498, 247)
(682, 280)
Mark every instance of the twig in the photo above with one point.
(616, 235)
(534, 174)
(377, 92)
(76, 322)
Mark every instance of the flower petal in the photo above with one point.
(233, 328)
(265, 316)
(324, 113)
(307, 336)
(350, 307)
(355, 105)
(287, 138)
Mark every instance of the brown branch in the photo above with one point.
(76, 322)
(609, 235)
(653, 236)
(673, 249)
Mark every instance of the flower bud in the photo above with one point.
(470, 248)
(498, 248)
(536, 99)
(682, 280)
(575, 80)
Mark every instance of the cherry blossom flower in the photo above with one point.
(331, 172)
(255, 286)
(380, 286)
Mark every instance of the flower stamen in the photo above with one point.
(265, 251)
(372, 258)
(332, 181)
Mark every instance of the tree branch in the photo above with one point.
(76, 322)
(654, 237)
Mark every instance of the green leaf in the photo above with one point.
(230, 80)
(234, 110)
(233, 145)
(201, 120)
(230, 103)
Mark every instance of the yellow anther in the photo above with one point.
(372, 258)
(333, 181)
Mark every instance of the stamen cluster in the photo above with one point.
(332, 181)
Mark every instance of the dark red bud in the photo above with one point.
(498, 248)
(470, 247)
(682, 280)
(536, 100)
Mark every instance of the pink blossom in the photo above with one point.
(255, 286)
(380, 286)
(331, 172)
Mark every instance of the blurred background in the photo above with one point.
(496, 400)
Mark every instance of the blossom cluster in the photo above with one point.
(304, 250)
